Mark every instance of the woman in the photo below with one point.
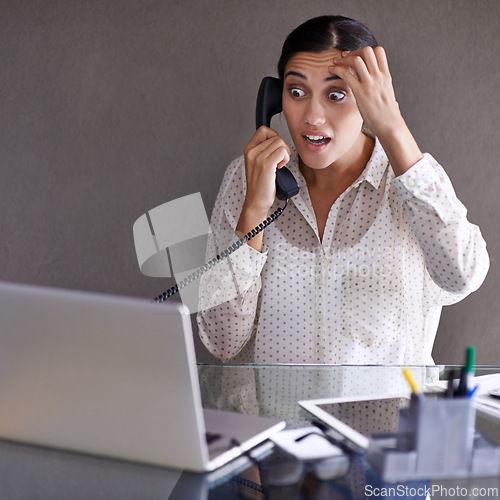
(359, 264)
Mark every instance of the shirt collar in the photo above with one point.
(375, 168)
(372, 173)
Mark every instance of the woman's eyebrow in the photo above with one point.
(304, 77)
(296, 73)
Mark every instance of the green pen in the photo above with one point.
(467, 372)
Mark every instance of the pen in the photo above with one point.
(411, 380)
(450, 389)
(466, 373)
(472, 392)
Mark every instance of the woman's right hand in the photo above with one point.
(265, 152)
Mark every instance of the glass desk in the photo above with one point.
(34, 473)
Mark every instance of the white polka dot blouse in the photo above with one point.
(393, 252)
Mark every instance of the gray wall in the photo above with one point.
(111, 107)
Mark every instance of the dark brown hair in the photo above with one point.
(324, 33)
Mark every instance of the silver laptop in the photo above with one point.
(111, 376)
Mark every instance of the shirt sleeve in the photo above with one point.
(454, 249)
(228, 294)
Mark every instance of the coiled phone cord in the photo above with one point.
(220, 257)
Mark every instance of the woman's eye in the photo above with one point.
(336, 95)
(297, 93)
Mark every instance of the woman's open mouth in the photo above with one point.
(316, 143)
(317, 140)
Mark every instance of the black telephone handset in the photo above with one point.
(269, 104)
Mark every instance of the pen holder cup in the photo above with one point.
(440, 431)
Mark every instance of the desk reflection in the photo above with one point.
(273, 390)
(35, 473)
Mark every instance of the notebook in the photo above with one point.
(112, 376)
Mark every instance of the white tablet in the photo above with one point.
(354, 419)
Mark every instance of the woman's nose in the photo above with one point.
(315, 114)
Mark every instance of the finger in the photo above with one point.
(280, 157)
(273, 145)
(261, 134)
(363, 61)
(360, 67)
(382, 62)
(265, 154)
(353, 64)
(369, 59)
(282, 164)
(270, 144)
(347, 74)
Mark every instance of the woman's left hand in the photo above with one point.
(366, 72)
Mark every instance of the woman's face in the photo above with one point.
(320, 110)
